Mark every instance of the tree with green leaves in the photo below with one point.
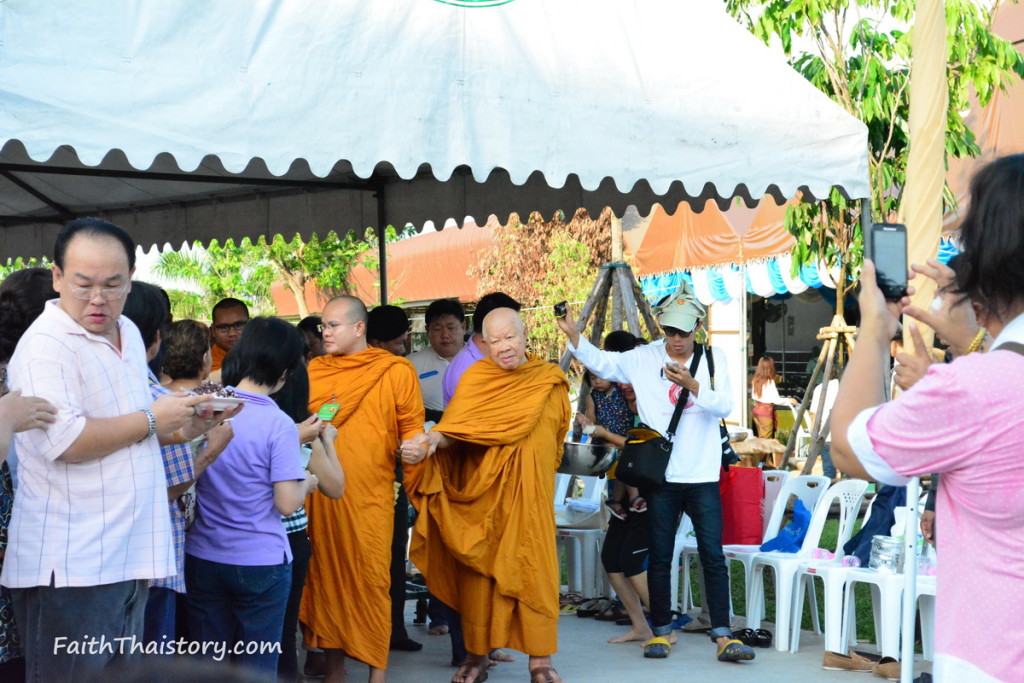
(858, 53)
(219, 270)
(19, 263)
(247, 270)
(540, 263)
(325, 261)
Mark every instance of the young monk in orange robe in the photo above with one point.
(485, 535)
(346, 607)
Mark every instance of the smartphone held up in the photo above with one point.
(887, 249)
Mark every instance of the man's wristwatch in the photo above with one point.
(152, 423)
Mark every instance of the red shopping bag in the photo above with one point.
(742, 490)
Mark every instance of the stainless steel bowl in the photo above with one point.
(587, 460)
(738, 434)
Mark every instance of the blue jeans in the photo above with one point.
(665, 508)
(827, 468)
(237, 604)
(67, 634)
(161, 610)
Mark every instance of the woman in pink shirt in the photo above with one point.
(964, 420)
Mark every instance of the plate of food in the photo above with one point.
(224, 398)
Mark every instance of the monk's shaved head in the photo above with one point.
(505, 336)
(350, 307)
(344, 326)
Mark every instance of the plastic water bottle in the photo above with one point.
(850, 561)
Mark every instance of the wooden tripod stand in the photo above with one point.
(617, 287)
(836, 336)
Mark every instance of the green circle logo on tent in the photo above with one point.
(474, 3)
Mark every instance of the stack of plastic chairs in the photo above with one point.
(785, 566)
(583, 545)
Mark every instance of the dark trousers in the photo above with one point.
(665, 508)
(459, 653)
(232, 604)
(399, 543)
(161, 612)
(287, 663)
(67, 634)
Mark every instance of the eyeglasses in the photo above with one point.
(675, 332)
(224, 328)
(323, 327)
(88, 293)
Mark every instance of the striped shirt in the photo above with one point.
(96, 522)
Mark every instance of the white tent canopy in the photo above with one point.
(195, 119)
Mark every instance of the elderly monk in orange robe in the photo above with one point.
(346, 607)
(485, 536)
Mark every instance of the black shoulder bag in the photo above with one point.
(729, 456)
(645, 456)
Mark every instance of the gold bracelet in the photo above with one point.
(979, 339)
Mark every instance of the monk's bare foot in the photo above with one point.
(378, 675)
(473, 670)
(642, 635)
(500, 656)
(541, 671)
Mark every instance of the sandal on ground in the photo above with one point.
(479, 672)
(542, 674)
(590, 608)
(613, 613)
(762, 638)
(735, 651)
(627, 621)
(657, 647)
(617, 510)
(566, 610)
(638, 504)
(745, 636)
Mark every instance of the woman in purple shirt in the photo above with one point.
(237, 557)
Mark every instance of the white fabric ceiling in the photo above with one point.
(195, 119)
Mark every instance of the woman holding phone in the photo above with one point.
(962, 420)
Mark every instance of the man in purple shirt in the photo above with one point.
(475, 348)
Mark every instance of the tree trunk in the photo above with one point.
(296, 283)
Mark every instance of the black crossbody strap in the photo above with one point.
(711, 368)
(1011, 346)
(684, 395)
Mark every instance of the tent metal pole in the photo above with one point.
(382, 245)
(909, 616)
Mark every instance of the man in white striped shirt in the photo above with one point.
(90, 524)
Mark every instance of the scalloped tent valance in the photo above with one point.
(195, 119)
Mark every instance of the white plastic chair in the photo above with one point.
(583, 546)
(831, 572)
(926, 603)
(886, 600)
(683, 538)
(786, 565)
(808, 488)
(774, 480)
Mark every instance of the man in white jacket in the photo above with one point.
(660, 375)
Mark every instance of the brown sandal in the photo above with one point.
(479, 672)
(545, 673)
